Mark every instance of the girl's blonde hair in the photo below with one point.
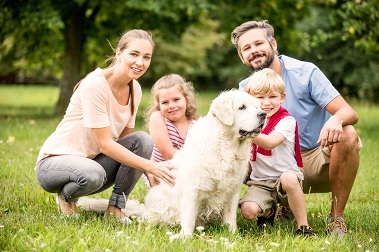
(169, 81)
(265, 81)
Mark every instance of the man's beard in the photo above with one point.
(265, 64)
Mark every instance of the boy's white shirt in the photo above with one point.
(282, 156)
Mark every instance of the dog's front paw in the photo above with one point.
(180, 235)
(232, 227)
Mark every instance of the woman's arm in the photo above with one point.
(117, 152)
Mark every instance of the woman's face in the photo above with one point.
(136, 58)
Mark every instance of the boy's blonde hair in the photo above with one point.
(169, 81)
(265, 81)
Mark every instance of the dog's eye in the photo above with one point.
(242, 107)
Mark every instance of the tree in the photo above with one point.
(344, 44)
(82, 20)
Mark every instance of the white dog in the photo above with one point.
(210, 167)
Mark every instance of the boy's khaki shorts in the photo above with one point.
(316, 169)
(266, 193)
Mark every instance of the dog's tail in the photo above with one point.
(132, 207)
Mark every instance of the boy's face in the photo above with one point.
(270, 103)
(255, 51)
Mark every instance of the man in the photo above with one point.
(329, 143)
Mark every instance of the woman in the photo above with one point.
(94, 146)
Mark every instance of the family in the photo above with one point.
(308, 144)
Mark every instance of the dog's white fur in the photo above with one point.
(210, 167)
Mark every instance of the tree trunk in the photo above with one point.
(74, 42)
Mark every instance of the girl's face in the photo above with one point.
(172, 103)
(136, 58)
(270, 103)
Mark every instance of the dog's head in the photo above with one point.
(240, 111)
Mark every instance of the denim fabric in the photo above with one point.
(76, 176)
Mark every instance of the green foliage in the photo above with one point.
(29, 220)
(192, 39)
(23, 49)
(344, 45)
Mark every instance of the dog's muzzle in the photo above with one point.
(244, 133)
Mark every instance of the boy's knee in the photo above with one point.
(248, 212)
(288, 180)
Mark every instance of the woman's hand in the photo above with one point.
(162, 170)
(153, 180)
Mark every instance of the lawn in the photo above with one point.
(29, 220)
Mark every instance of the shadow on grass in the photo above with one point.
(43, 112)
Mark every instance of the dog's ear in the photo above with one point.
(222, 108)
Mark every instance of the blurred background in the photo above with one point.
(57, 42)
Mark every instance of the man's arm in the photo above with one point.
(342, 114)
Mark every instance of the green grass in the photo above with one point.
(29, 219)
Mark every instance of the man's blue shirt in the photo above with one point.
(308, 91)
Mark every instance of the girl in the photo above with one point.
(170, 116)
(94, 146)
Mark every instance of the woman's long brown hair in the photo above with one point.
(122, 44)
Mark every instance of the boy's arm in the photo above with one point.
(269, 142)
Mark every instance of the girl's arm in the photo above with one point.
(269, 142)
(117, 152)
(159, 133)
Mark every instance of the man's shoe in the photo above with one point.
(261, 221)
(305, 231)
(337, 226)
(285, 212)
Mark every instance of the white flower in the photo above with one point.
(274, 244)
(199, 228)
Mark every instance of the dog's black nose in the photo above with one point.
(261, 115)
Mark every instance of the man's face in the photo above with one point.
(256, 52)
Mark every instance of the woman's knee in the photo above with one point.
(94, 180)
(142, 144)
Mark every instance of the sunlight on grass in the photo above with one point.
(29, 219)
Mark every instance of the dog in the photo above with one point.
(211, 167)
